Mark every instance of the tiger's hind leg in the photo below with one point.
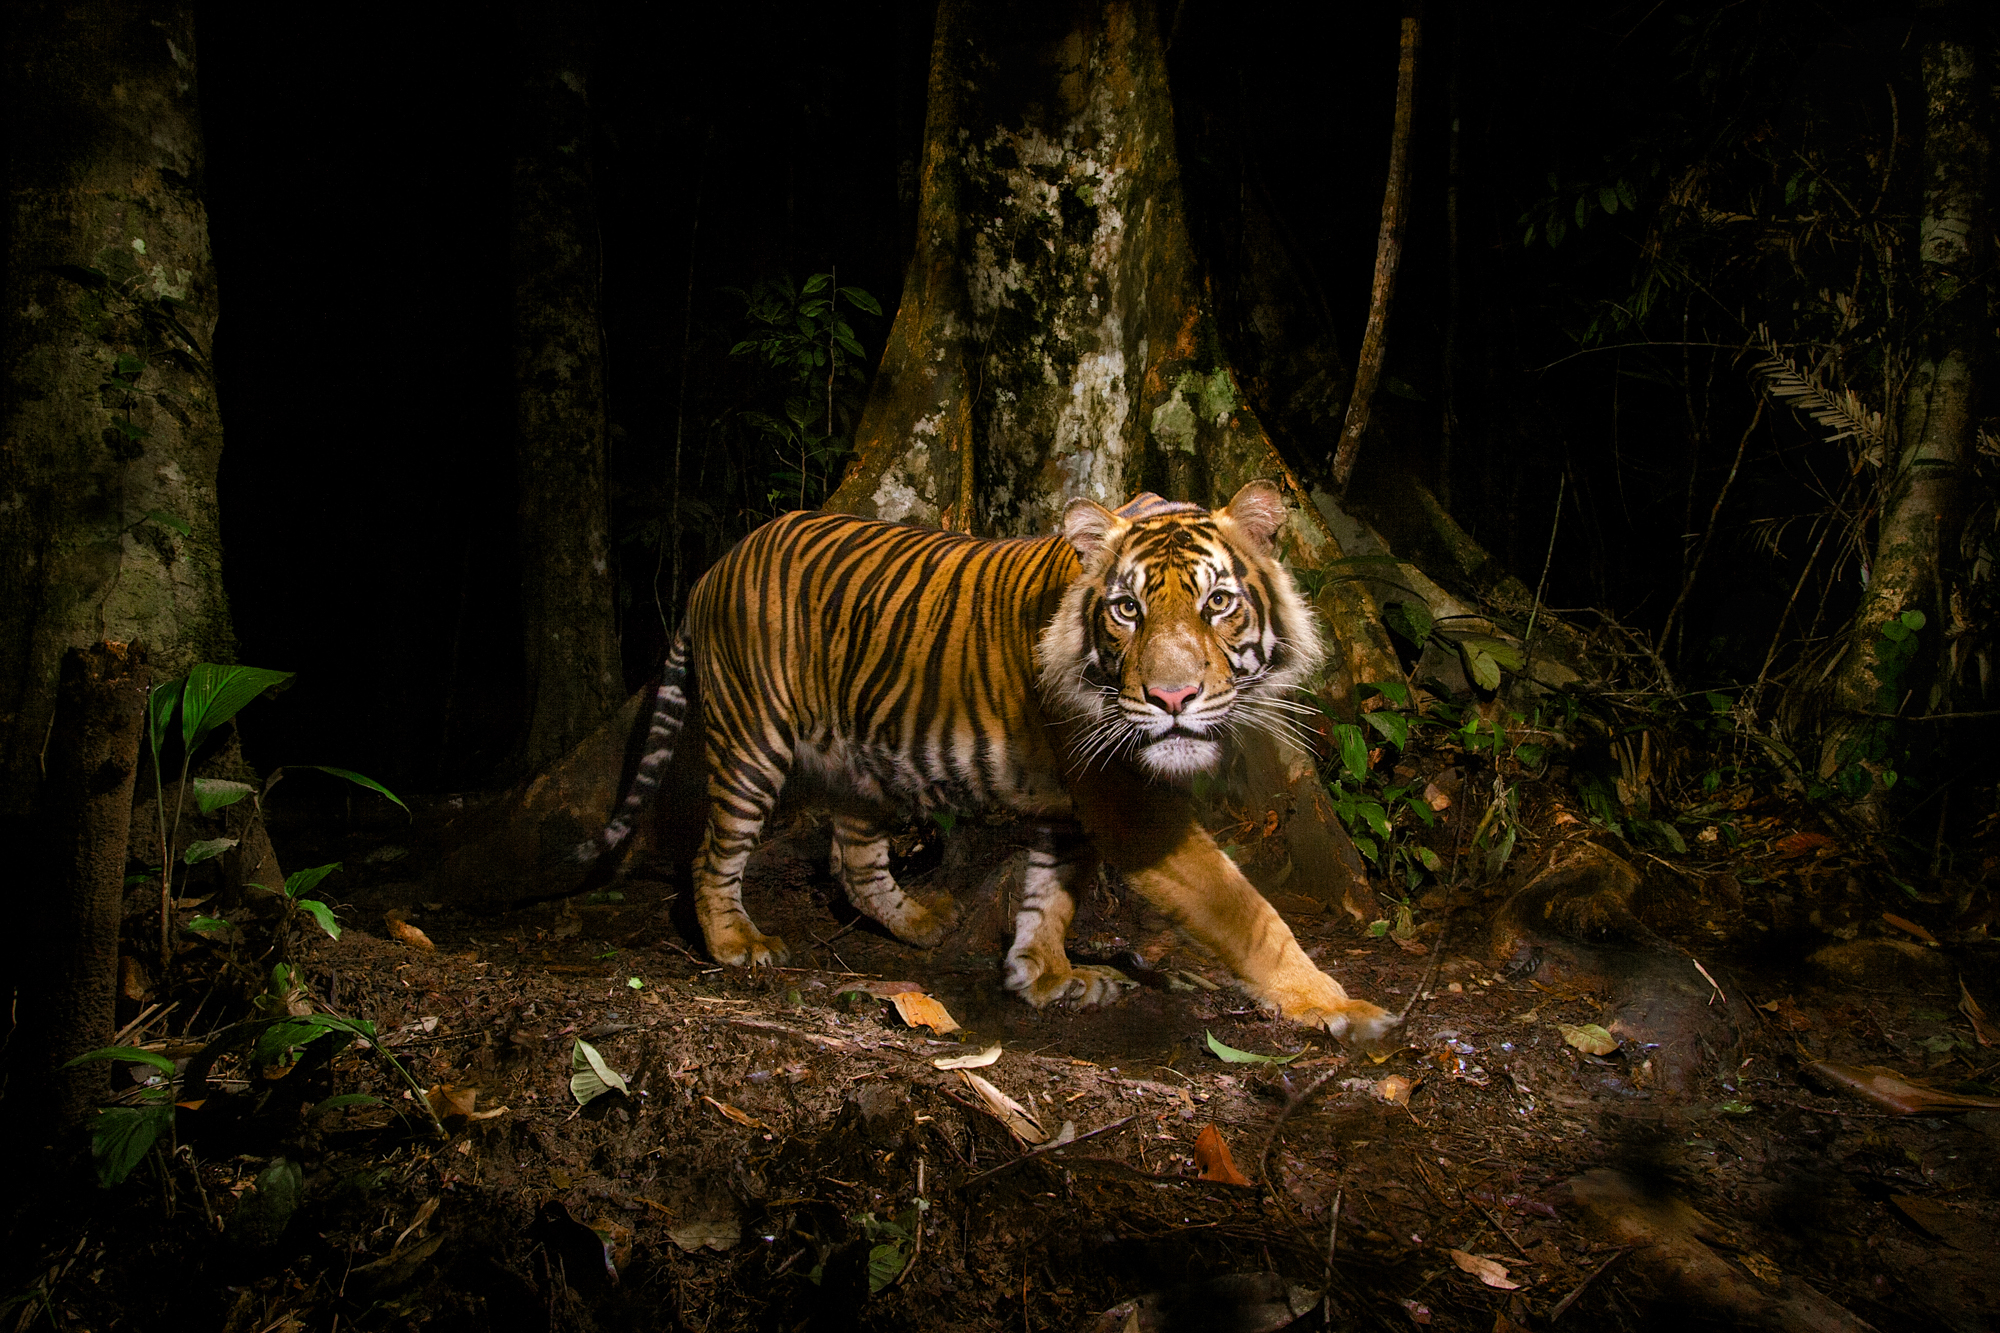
(743, 786)
(861, 862)
(1038, 970)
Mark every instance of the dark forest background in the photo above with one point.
(358, 198)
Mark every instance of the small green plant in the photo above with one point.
(801, 335)
(208, 696)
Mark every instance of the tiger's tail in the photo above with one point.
(670, 706)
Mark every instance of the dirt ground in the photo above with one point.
(781, 1132)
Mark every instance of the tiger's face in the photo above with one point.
(1181, 628)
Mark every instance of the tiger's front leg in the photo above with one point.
(861, 862)
(1038, 969)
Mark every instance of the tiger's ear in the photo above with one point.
(1086, 524)
(1258, 511)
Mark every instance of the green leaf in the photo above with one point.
(299, 881)
(1395, 728)
(1894, 632)
(1627, 195)
(160, 705)
(206, 850)
(815, 283)
(275, 1042)
(212, 794)
(129, 1054)
(861, 300)
(321, 913)
(1501, 651)
(208, 925)
(1353, 749)
(1607, 198)
(1377, 929)
(1235, 1057)
(1912, 619)
(1411, 620)
(1479, 665)
(636, 983)
(166, 520)
(590, 1078)
(359, 781)
(1429, 859)
(1582, 211)
(884, 1263)
(1395, 691)
(121, 1137)
(215, 693)
(343, 1100)
(129, 365)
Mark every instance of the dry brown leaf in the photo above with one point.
(448, 1100)
(1798, 844)
(743, 1118)
(1982, 1026)
(1395, 1090)
(1486, 1270)
(978, 1060)
(1788, 1014)
(400, 929)
(1589, 1038)
(919, 1010)
(1890, 1090)
(1213, 1156)
(1018, 1119)
(1909, 927)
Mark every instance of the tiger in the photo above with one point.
(1079, 680)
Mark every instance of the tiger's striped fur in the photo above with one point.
(1069, 679)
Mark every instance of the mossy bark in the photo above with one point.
(109, 432)
(570, 635)
(1055, 337)
(1881, 678)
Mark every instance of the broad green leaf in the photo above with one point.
(129, 365)
(166, 520)
(359, 781)
(1395, 691)
(321, 913)
(277, 1040)
(1479, 665)
(301, 881)
(1717, 702)
(816, 282)
(1430, 859)
(1894, 632)
(1501, 651)
(1353, 749)
(861, 300)
(1373, 815)
(1912, 619)
(1377, 929)
(1607, 196)
(206, 850)
(1411, 620)
(208, 925)
(160, 705)
(590, 1078)
(1235, 1057)
(121, 1137)
(212, 794)
(1395, 728)
(216, 693)
(636, 983)
(1627, 195)
(884, 1263)
(129, 1054)
(1529, 754)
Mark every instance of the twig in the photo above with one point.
(1711, 981)
(1497, 1226)
(143, 1021)
(1036, 1153)
(1581, 1287)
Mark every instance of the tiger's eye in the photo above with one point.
(1221, 599)
(1125, 608)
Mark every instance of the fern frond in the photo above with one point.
(1842, 412)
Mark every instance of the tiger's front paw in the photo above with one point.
(746, 946)
(1043, 982)
(1317, 1000)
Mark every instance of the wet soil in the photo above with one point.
(779, 1129)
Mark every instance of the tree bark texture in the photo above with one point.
(109, 431)
(1388, 256)
(573, 672)
(1055, 338)
(1917, 534)
(66, 1007)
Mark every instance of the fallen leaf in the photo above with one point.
(1486, 1270)
(1762, 1268)
(1418, 1312)
(1798, 844)
(1909, 927)
(449, 1100)
(400, 929)
(917, 1009)
(1018, 1119)
(743, 1118)
(1789, 1016)
(1236, 1057)
(1213, 1156)
(1982, 1026)
(714, 1233)
(1589, 1038)
(590, 1078)
(976, 1061)
(1890, 1090)
(1395, 1090)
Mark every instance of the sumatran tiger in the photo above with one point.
(1079, 679)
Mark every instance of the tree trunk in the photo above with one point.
(93, 757)
(109, 433)
(573, 673)
(1881, 678)
(1055, 339)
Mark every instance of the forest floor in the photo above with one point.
(788, 1155)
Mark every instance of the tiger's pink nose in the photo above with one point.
(1173, 700)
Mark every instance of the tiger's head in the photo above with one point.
(1181, 628)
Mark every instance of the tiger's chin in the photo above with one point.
(1180, 756)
